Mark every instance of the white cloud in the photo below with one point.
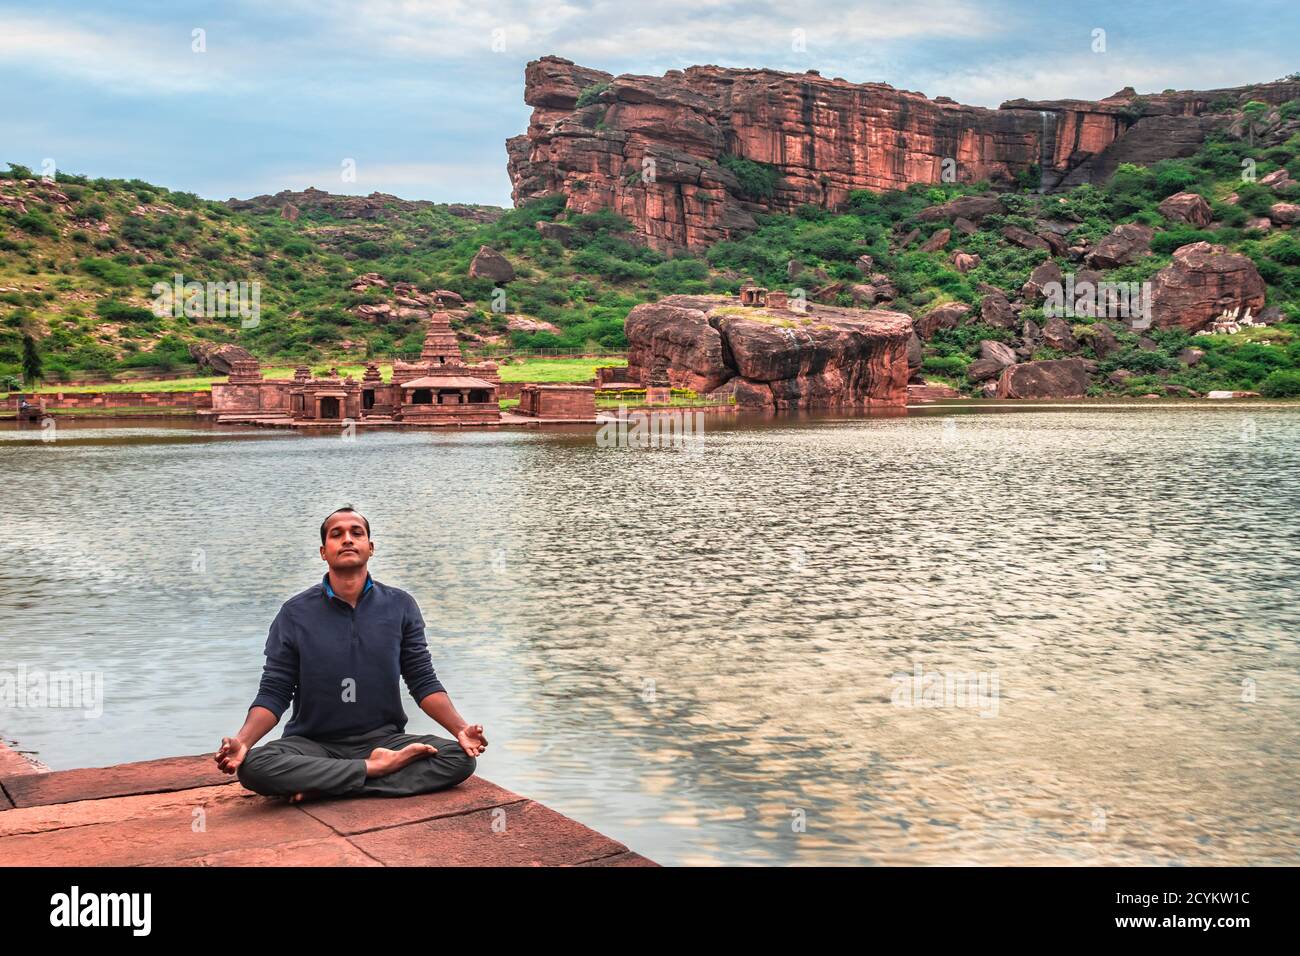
(1091, 76)
(134, 60)
(615, 30)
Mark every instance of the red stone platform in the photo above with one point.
(182, 811)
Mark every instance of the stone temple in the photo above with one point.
(439, 389)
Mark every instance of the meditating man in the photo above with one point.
(336, 651)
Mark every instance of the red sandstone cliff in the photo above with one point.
(826, 136)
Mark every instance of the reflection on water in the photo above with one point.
(695, 653)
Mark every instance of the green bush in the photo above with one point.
(1163, 243)
(111, 272)
(757, 180)
(1174, 176)
(1282, 383)
(37, 223)
(115, 311)
(590, 94)
(941, 364)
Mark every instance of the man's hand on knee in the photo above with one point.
(231, 754)
(471, 739)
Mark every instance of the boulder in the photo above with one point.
(1124, 245)
(964, 262)
(794, 269)
(964, 226)
(561, 233)
(1024, 238)
(523, 323)
(490, 264)
(946, 316)
(973, 208)
(1189, 208)
(937, 241)
(1103, 340)
(1223, 393)
(983, 369)
(1277, 179)
(865, 264)
(1055, 243)
(367, 280)
(830, 356)
(996, 311)
(828, 293)
(883, 288)
(1058, 335)
(217, 357)
(1284, 213)
(378, 314)
(997, 352)
(863, 294)
(1190, 356)
(1044, 273)
(1056, 378)
(1201, 283)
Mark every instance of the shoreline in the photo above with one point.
(511, 420)
(141, 814)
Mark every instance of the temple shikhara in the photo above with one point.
(439, 389)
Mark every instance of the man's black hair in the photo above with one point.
(344, 509)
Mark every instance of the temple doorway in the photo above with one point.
(329, 408)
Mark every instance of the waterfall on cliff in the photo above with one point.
(1046, 147)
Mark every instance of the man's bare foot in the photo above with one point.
(382, 762)
(304, 795)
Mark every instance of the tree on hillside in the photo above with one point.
(1256, 114)
(31, 360)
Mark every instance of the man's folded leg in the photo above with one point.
(448, 767)
(292, 765)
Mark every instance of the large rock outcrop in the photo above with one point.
(1055, 378)
(218, 357)
(490, 264)
(1202, 283)
(650, 147)
(826, 357)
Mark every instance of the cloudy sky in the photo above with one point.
(421, 94)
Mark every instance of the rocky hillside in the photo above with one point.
(972, 264)
(691, 156)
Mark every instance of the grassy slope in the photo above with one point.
(77, 284)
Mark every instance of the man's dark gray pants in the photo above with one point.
(337, 766)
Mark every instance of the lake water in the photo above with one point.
(1058, 636)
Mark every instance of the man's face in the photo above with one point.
(346, 543)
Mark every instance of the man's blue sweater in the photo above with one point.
(340, 665)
